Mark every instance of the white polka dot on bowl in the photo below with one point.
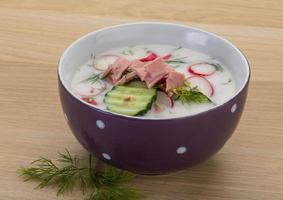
(181, 150)
(100, 124)
(234, 108)
(106, 156)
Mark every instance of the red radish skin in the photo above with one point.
(203, 85)
(99, 68)
(152, 56)
(199, 73)
(89, 100)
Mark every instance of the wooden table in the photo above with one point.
(33, 34)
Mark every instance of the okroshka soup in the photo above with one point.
(153, 81)
(152, 97)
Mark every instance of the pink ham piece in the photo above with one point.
(118, 68)
(155, 71)
(138, 67)
(152, 72)
(175, 79)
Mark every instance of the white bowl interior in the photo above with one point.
(159, 33)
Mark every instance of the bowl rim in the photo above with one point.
(111, 114)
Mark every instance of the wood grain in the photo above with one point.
(33, 34)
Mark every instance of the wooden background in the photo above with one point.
(34, 33)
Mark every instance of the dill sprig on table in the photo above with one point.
(114, 193)
(67, 173)
(63, 177)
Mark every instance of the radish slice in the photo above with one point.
(166, 57)
(152, 56)
(202, 69)
(202, 84)
(99, 87)
(164, 99)
(88, 89)
(101, 63)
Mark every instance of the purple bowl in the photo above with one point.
(152, 146)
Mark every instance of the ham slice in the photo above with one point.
(151, 72)
(155, 71)
(175, 79)
(118, 68)
(139, 68)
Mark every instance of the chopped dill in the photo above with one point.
(177, 60)
(228, 81)
(176, 49)
(217, 66)
(191, 95)
(92, 78)
(128, 52)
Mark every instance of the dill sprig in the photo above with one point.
(92, 78)
(48, 173)
(227, 82)
(187, 94)
(67, 173)
(217, 66)
(114, 193)
(177, 48)
(177, 61)
(128, 52)
(176, 65)
(111, 177)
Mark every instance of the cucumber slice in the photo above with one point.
(130, 100)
